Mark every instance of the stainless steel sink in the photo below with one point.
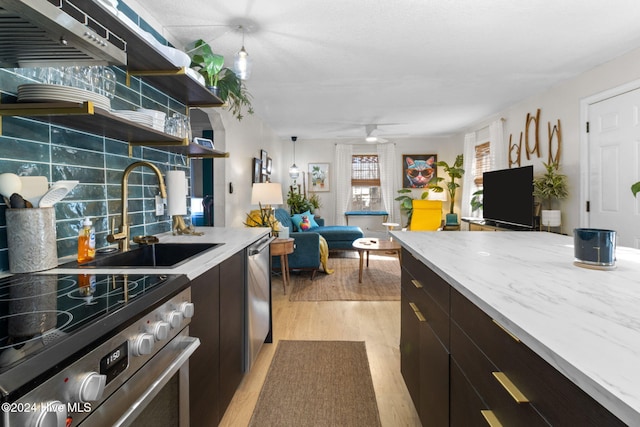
(167, 255)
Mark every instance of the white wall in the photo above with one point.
(322, 151)
(563, 102)
(244, 140)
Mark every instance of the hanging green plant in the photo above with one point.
(224, 82)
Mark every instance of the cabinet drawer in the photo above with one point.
(466, 404)
(437, 318)
(410, 350)
(479, 372)
(432, 284)
(559, 400)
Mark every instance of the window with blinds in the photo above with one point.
(365, 183)
(483, 162)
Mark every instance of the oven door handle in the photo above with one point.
(134, 410)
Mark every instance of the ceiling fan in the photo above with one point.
(371, 130)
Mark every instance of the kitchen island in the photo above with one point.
(584, 323)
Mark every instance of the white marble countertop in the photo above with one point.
(234, 239)
(584, 322)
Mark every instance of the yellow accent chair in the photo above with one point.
(426, 215)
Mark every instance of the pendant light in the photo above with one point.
(242, 62)
(294, 171)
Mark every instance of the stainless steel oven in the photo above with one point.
(125, 363)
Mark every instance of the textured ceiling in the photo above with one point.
(325, 69)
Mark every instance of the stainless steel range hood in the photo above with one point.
(55, 32)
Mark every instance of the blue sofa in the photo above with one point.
(306, 255)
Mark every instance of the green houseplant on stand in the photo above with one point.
(454, 171)
(549, 187)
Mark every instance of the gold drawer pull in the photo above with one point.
(491, 418)
(416, 283)
(416, 311)
(506, 330)
(510, 387)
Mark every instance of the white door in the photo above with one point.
(614, 151)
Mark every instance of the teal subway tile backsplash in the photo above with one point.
(31, 130)
(32, 147)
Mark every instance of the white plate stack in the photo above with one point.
(135, 116)
(158, 118)
(47, 93)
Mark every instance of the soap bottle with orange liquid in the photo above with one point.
(86, 242)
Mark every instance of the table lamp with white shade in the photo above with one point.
(266, 195)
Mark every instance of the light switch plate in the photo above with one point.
(159, 205)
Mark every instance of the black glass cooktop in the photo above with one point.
(39, 313)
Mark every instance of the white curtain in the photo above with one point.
(389, 174)
(343, 156)
(498, 150)
(469, 163)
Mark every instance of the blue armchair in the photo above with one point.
(306, 255)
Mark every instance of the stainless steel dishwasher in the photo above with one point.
(258, 298)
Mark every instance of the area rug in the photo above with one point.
(317, 383)
(380, 281)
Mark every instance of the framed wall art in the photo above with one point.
(256, 174)
(269, 165)
(418, 170)
(319, 177)
(263, 158)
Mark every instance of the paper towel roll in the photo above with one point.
(176, 193)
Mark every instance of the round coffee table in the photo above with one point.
(365, 245)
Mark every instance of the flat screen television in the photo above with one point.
(507, 197)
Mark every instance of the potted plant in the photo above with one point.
(263, 218)
(208, 64)
(298, 202)
(549, 187)
(635, 188)
(234, 93)
(476, 200)
(454, 171)
(222, 81)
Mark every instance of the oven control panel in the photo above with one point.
(77, 390)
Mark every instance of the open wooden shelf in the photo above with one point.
(144, 60)
(85, 116)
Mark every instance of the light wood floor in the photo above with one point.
(377, 323)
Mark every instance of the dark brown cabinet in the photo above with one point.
(462, 368)
(204, 371)
(232, 318)
(518, 386)
(424, 341)
(216, 368)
